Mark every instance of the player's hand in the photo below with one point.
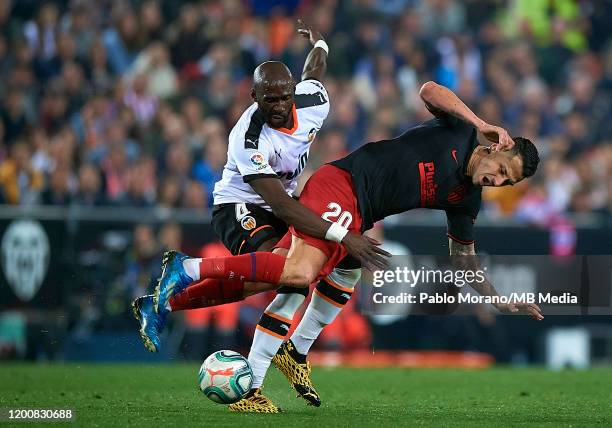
(530, 309)
(367, 251)
(496, 134)
(305, 30)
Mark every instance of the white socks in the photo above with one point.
(192, 268)
(328, 299)
(318, 314)
(270, 333)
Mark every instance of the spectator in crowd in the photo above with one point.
(20, 183)
(209, 169)
(142, 262)
(168, 195)
(137, 193)
(170, 236)
(121, 41)
(195, 197)
(154, 63)
(90, 86)
(58, 190)
(90, 192)
(14, 118)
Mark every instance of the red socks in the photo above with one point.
(225, 278)
(253, 267)
(209, 292)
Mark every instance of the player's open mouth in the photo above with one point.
(278, 117)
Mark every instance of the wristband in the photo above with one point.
(323, 45)
(336, 233)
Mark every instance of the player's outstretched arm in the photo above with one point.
(289, 210)
(316, 61)
(464, 256)
(441, 100)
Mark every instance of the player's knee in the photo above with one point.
(347, 278)
(298, 277)
(302, 280)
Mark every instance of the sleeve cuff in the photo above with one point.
(251, 177)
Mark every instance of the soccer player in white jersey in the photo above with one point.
(268, 150)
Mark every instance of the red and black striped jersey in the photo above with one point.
(425, 167)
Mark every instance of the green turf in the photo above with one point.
(166, 395)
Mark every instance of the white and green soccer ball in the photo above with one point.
(225, 377)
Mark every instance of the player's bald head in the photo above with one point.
(271, 73)
(273, 91)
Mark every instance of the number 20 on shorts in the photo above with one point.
(336, 215)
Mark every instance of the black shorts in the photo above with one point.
(244, 227)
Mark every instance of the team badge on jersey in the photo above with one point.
(248, 223)
(457, 194)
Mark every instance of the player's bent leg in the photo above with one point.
(272, 327)
(329, 297)
(264, 347)
(303, 264)
(231, 275)
(225, 274)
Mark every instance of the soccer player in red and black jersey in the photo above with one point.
(437, 165)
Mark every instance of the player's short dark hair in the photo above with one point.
(528, 153)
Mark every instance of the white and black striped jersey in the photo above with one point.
(256, 150)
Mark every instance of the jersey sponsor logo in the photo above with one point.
(301, 165)
(428, 186)
(258, 161)
(457, 194)
(454, 155)
(248, 223)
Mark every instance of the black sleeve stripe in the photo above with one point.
(251, 177)
(251, 137)
(309, 100)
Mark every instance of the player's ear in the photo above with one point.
(253, 94)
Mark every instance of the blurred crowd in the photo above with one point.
(129, 103)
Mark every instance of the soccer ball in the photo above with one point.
(225, 377)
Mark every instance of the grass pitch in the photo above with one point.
(167, 395)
